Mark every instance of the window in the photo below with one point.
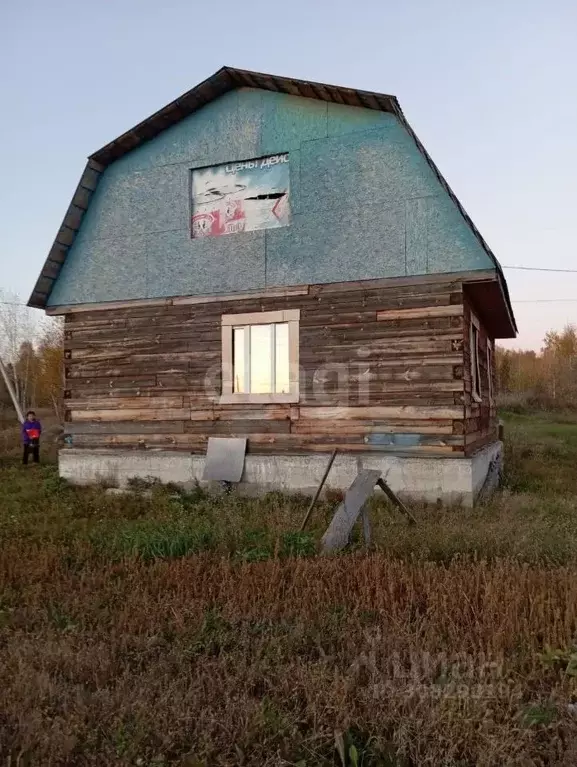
(260, 357)
(474, 350)
(490, 371)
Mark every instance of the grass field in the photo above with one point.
(181, 629)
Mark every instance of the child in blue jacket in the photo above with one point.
(31, 431)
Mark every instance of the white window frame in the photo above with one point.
(490, 362)
(474, 332)
(229, 322)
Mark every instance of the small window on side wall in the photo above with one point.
(474, 350)
(490, 372)
(260, 361)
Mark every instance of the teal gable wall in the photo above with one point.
(364, 202)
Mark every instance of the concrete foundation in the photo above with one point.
(450, 480)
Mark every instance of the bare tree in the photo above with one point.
(18, 329)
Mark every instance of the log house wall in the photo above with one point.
(385, 365)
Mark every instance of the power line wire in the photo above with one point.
(543, 300)
(517, 301)
(541, 269)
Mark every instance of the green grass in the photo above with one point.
(36, 505)
(541, 453)
(533, 517)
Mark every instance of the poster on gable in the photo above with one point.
(240, 197)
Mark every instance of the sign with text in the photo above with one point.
(241, 196)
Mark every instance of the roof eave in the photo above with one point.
(66, 234)
(224, 80)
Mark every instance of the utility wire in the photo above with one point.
(541, 269)
(517, 301)
(542, 300)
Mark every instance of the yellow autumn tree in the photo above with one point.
(50, 367)
(547, 378)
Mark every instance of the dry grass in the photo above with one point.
(202, 661)
(118, 650)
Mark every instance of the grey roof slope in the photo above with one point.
(226, 79)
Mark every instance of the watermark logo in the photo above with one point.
(423, 675)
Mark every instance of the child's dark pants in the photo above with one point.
(35, 450)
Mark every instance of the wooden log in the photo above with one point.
(318, 427)
(154, 304)
(382, 412)
(399, 329)
(375, 399)
(100, 370)
(432, 311)
(140, 441)
(140, 403)
(175, 357)
(349, 339)
(186, 394)
(117, 382)
(487, 439)
(412, 389)
(160, 342)
(78, 355)
(128, 414)
(311, 317)
(238, 428)
(374, 372)
(381, 355)
(105, 393)
(199, 443)
(424, 360)
(100, 321)
(346, 447)
(256, 412)
(383, 283)
(126, 427)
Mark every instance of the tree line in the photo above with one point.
(32, 352)
(545, 379)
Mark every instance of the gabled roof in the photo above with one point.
(226, 79)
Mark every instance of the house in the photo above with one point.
(279, 260)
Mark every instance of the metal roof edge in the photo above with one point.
(66, 235)
(222, 81)
(401, 117)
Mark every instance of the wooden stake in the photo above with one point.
(319, 489)
(392, 497)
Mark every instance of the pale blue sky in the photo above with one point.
(490, 88)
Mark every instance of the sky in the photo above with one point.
(488, 87)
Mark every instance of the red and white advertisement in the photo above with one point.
(240, 197)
